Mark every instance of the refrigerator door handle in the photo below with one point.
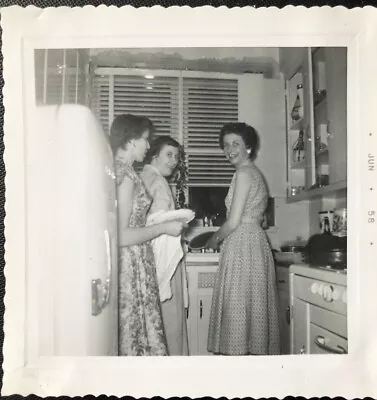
(101, 291)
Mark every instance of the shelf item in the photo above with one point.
(319, 97)
(298, 107)
(298, 149)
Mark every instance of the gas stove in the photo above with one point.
(319, 309)
(330, 268)
(321, 272)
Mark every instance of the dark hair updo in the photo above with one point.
(158, 144)
(248, 133)
(126, 127)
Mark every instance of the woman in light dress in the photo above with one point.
(163, 158)
(141, 330)
(244, 313)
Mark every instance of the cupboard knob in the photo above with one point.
(314, 288)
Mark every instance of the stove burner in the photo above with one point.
(342, 270)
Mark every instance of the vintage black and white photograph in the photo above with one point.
(197, 162)
(186, 207)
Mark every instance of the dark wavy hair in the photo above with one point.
(126, 127)
(158, 144)
(248, 134)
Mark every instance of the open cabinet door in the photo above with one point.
(310, 172)
(77, 245)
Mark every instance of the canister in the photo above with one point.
(322, 216)
(340, 222)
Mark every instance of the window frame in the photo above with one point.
(181, 75)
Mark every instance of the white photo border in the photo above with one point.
(351, 375)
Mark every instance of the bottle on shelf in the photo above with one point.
(299, 148)
(298, 107)
(327, 226)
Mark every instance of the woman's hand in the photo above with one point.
(174, 228)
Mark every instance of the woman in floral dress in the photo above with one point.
(141, 329)
(244, 314)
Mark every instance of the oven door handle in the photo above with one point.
(320, 342)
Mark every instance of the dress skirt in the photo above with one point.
(174, 318)
(141, 330)
(244, 314)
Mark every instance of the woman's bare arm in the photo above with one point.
(241, 191)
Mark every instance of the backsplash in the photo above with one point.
(291, 221)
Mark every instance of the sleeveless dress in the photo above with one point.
(244, 313)
(173, 310)
(141, 330)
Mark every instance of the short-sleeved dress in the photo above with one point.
(244, 314)
(141, 331)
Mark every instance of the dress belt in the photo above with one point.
(257, 221)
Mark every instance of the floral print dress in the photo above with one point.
(141, 331)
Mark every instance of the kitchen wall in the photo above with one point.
(262, 105)
(291, 222)
(198, 52)
(215, 59)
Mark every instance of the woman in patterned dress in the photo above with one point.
(244, 314)
(141, 329)
(162, 159)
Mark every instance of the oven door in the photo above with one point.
(323, 341)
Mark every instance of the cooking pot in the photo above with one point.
(335, 258)
(326, 242)
(326, 249)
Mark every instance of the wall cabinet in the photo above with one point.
(316, 98)
(201, 279)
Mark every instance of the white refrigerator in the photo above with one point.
(72, 206)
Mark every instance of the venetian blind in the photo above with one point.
(197, 106)
(207, 105)
(100, 100)
(155, 98)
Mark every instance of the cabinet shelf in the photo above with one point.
(317, 192)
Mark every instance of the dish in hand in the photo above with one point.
(185, 215)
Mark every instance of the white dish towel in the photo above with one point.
(168, 253)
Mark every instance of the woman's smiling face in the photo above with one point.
(235, 149)
(167, 160)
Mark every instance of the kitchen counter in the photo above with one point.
(201, 258)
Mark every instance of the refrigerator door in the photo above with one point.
(78, 297)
